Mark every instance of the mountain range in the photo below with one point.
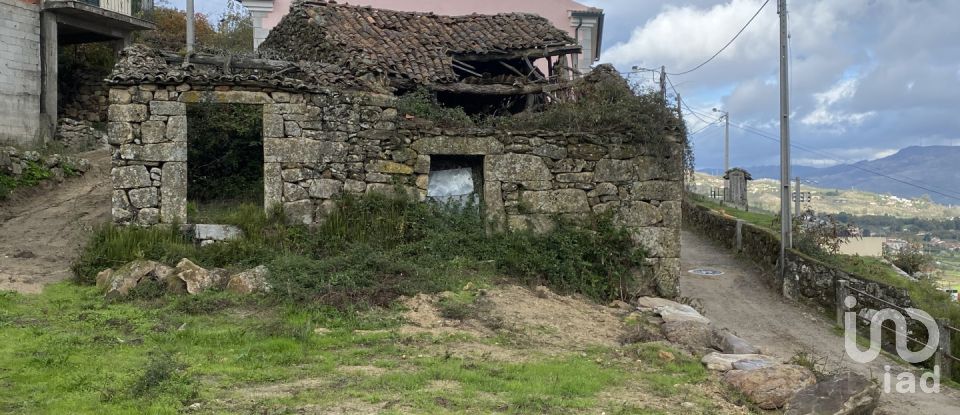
(911, 172)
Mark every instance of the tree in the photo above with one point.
(912, 260)
(233, 33)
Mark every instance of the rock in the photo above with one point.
(724, 362)
(517, 167)
(637, 213)
(653, 303)
(325, 188)
(116, 284)
(694, 335)
(167, 108)
(842, 394)
(556, 201)
(152, 132)
(388, 167)
(770, 387)
(129, 177)
(127, 112)
(752, 364)
(144, 197)
(457, 145)
(681, 313)
(177, 128)
(192, 278)
(611, 170)
(253, 280)
(660, 242)
(729, 343)
(173, 192)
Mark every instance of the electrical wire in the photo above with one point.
(728, 43)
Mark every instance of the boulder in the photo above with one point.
(694, 335)
(652, 303)
(841, 394)
(192, 278)
(681, 313)
(770, 387)
(116, 284)
(752, 364)
(724, 362)
(253, 280)
(729, 343)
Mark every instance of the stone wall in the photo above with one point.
(19, 72)
(807, 280)
(318, 146)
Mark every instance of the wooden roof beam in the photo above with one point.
(518, 54)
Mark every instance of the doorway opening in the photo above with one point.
(224, 160)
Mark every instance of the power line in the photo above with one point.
(846, 162)
(728, 43)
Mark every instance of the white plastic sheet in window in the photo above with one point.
(452, 184)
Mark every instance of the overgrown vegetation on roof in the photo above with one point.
(604, 103)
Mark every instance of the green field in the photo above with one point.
(764, 195)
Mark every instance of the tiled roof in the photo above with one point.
(140, 64)
(405, 45)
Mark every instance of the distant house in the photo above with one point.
(583, 23)
(32, 33)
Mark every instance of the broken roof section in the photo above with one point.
(408, 46)
(320, 45)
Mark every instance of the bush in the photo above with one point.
(372, 249)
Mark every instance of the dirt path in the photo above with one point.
(739, 300)
(42, 229)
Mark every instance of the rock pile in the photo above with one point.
(14, 163)
(185, 277)
(764, 380)
(79, 135)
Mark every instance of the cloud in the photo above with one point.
(826, 116)
(867, 76)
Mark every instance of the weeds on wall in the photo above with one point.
(375, 248)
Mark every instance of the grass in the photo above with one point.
(68, 350)
(763, 220)
(375, 248)
(31, 176)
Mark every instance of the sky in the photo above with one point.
(868, 77)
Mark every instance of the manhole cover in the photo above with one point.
(705, 271)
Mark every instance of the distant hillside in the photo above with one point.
(934, 167)
(764, 195)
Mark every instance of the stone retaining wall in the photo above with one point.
(807, 280)
(318, 146)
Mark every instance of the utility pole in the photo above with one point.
(663, 83)
(725, 115)
(798, 195)
(190, 35)
(786, 220)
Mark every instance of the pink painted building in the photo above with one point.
(583, 23)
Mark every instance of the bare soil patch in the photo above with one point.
(42, 229)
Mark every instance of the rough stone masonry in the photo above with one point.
(323, 144)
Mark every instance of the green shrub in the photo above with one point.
(374, 248)
(422, 103)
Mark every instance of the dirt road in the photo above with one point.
(739, 300)
(42, 229)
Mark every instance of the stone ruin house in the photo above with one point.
(327, 81)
